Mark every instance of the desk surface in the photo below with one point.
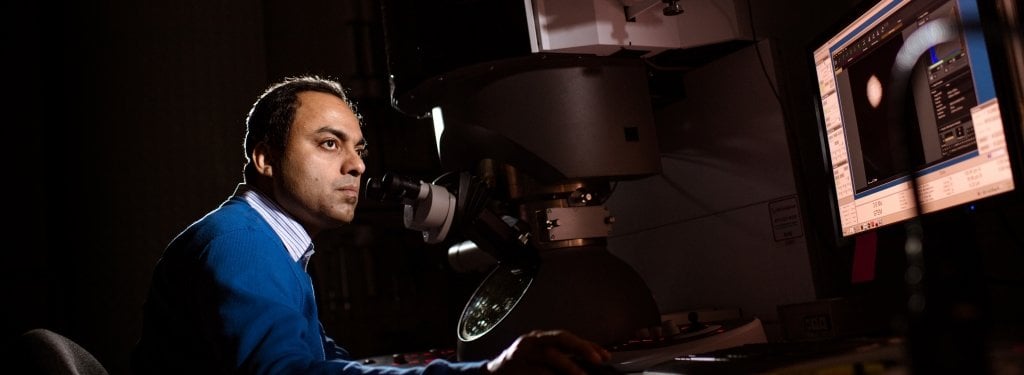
(833, 357)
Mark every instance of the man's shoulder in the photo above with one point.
(230, 215)
(233, 218)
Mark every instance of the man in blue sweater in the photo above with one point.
(231, 294)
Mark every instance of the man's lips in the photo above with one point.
(352, 191)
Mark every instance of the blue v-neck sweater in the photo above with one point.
(226, 297)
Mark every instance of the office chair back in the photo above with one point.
(44, 352)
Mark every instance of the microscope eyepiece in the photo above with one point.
(392, 188)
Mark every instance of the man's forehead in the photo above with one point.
(326, 108)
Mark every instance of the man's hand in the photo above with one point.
(547, 352)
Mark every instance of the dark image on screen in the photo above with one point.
(887, 151)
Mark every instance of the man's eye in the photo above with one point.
(331, 144)
(363, 152)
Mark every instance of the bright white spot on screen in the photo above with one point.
(874, 91)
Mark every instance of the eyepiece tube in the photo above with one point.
(392, 188)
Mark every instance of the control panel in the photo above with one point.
(410, 359)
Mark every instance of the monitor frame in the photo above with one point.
(858, 207)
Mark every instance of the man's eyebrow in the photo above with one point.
(342, 135)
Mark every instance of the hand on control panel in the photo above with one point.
(554, 352)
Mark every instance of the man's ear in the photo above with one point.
(262, 159)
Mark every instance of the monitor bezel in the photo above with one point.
(1007, 86)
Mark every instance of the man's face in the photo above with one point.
(317, 177)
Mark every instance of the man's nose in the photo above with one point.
(354, 165)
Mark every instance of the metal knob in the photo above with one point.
(672, 8)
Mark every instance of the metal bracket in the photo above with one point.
(569, 223)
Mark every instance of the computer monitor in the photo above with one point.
(906, 91)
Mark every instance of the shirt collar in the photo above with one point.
(292, 234)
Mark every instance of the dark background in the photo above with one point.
(128, 120)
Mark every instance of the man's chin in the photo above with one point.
(343, 220)
(344, 216)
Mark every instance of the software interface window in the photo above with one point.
(907, 87)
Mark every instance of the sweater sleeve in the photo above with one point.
(261, 315)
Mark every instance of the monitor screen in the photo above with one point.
(906, 91)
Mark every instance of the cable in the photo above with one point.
(916, 44)
(397, 108)
(760, 59)
(689, 219)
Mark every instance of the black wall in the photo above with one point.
(127, 121)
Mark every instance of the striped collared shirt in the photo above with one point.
(292, 234)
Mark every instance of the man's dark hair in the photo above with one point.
(271, 116)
